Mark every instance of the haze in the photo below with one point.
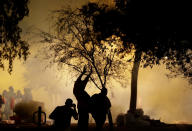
(166, 99)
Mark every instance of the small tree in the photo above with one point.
(11, 45)
(75, 45)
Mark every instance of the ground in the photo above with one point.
(167, 127)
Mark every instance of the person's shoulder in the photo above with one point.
(59, 107)
(56, 108)
(95, 96)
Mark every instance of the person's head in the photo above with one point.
(69, 102)
(4, 93)
(104, 91)
(11, 89)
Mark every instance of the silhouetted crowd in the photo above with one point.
(9, 99)
(97, 105)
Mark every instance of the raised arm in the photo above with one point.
(80, 76)
(87, 78)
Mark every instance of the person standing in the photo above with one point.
(83, 99)
(100, 108)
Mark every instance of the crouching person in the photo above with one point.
(62, 115)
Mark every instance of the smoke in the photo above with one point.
(48, 85)
(161, 98)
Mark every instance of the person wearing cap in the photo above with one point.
(62, 115)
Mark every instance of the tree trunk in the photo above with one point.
(134, 78)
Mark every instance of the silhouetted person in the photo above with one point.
(62, 115)
(1, 103)
(100, 107)
(83, 99)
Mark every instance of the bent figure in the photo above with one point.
(62, 115)
(83, 99)
(100, 107)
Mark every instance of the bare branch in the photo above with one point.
(76, 44)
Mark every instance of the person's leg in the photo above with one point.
(100, 121)
(99, 125)
(80, 119)
(83, 120)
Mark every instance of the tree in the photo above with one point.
(157, 31)
(75, 45)
(11, 44)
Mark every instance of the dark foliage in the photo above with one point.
(11, 44)
(159, 29)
